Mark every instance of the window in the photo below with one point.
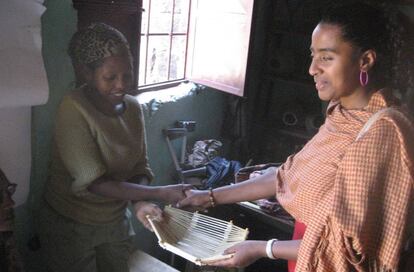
(205, 41)
(164, 32)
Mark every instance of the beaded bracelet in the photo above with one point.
(211, 197)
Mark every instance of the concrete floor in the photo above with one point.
(143, 262)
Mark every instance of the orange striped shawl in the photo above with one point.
(354, 196)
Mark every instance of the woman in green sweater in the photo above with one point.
(99, 162)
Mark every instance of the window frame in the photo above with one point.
(171, 34)
(192, 31)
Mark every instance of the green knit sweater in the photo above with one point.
(88, 144)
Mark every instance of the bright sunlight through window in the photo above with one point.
(164, 32)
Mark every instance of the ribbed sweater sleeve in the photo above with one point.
(142, 166)
(78, 150)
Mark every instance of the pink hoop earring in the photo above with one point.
(363, 78)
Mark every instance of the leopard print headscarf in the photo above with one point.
(97, 42)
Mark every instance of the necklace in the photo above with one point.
(119, 108)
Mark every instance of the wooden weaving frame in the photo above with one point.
(196, 237)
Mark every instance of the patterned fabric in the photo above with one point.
(9, 256)
(97, 42)
(354, 196)
(4, 182)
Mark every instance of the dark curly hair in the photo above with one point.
(381, 27)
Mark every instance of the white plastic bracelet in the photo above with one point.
(269, 251)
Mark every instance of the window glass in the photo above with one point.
(177, 62)
(144, 16)
(157, 60)
(181, 10)
(160, 16)
(142, 61)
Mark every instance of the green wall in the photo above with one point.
(206, 107)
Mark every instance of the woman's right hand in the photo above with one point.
(244, 254)
(195, 199)
(171, 194)
(144, 208)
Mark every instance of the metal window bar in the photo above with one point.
(188, 29)
(171, 38)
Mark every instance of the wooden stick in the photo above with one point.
(196, 237)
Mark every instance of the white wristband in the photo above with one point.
(269, 251)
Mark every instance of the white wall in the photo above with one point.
(23, 84)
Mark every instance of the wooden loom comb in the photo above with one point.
(196, 237)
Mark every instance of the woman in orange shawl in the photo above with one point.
(352, 184)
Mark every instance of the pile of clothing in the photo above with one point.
(220, 171)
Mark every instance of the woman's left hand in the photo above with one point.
(244, 254)
(143, 208)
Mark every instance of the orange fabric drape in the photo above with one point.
(355, 197)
